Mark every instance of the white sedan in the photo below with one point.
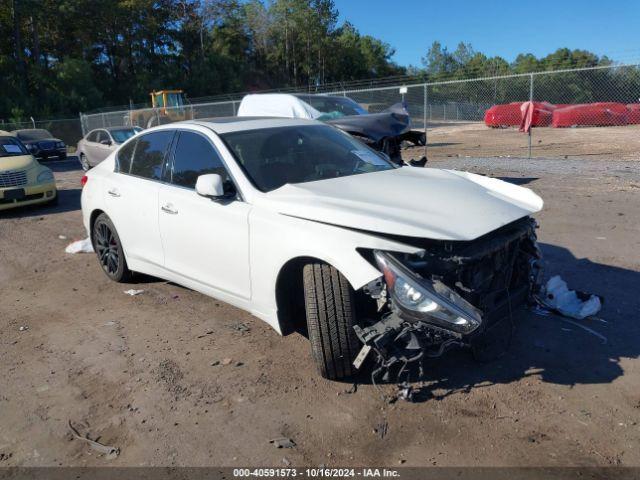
(98, 144)
(310, 230)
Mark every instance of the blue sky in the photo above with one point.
(503, 28)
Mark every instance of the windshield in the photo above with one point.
(11, 147)
(333, 107)
(121, 136)
(273, 157)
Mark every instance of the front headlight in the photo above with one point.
(60, 145)
(426, 300)
(45, 176)
(31, 147)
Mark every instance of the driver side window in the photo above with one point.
(195, 156)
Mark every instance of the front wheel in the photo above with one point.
(84, 163)
(108, 247)
(330, 307)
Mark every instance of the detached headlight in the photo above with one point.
(426, 300)
(45, 176)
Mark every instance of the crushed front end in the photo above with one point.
(455, 293)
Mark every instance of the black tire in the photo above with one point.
(330, 307)
(108, 248)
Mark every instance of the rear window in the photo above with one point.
(149, 154)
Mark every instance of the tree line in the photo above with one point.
(59, 57)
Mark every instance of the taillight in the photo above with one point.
(84, 180)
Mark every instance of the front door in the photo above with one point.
(203, 239)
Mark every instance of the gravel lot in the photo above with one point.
(475, 139)
(172, 377)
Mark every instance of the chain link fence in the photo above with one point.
(579, 112)
(69, 130)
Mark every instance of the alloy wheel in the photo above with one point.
(84, 162)
(106, 246)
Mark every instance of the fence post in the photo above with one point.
(424, 117)
(531, 100)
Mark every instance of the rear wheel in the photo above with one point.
(330, 307)
(108, 247)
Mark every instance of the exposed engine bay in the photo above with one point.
(454, 294)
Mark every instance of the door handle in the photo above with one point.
(113, 192)
(168, 208)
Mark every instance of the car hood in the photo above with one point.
(392, 122)
(409, 201)
(21, 162)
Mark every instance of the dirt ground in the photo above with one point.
(172, 377)
(475, 139)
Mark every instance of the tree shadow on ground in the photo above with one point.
(556, 351)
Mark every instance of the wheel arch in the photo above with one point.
(289, 289)
(92, 219)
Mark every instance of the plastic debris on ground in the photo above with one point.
(133, 292)
(109, 451)
(570, 303)
(283, 442)
(80, 246)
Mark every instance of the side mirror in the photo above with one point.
(210, 185)
(105, 142)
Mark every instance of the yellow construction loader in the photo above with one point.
(167, 106)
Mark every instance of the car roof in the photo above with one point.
(111, 129)
(302, 96)
(223, 125)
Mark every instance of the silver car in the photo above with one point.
(99, 143)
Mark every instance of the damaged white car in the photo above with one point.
(310, 230)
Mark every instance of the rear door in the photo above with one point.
(102, 151)
(90, 147)
(203, 239)
(132, 195)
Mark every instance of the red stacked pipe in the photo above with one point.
(510, 115)
(633, 113)
(503, 115)
(591, 114)
(565, 115)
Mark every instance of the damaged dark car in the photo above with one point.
(383, 131)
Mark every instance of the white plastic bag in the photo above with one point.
(558, 297)
(80, 246)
